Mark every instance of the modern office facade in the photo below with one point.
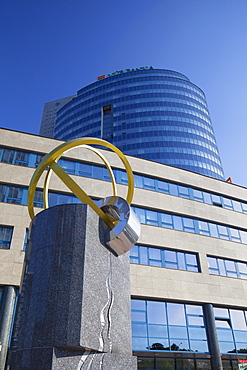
(49, 115)
(154, 114)
(188, 271)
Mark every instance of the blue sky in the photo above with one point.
(51, 48)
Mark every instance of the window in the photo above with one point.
(167, 326)
(231, 329)
(68, 166)
(14, 195)
(8, 156)
(5, 236)
(226, 267)
(38, 199)
(162, 257)
(15, 157)
(191, 225)
(107, 122)
(183, 191)
(21, 158)
(203, 228)
(25, 240)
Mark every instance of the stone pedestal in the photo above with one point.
(76, 301)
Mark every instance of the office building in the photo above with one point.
(188, 271)
(49, 115)
(154, 114)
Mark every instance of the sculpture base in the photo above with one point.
(63, 359)
(75, 296)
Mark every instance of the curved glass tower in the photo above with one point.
(155, 114)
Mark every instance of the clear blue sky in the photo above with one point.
(51, 48)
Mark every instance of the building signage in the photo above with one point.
(123, 71)
(242, 364)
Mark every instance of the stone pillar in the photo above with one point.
(6, 315)
(214, 349)
(76, 305)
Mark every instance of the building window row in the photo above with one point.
(179, 363)
(29, 159)
(161, 85)
(18, 195)
(183, 363)
(170, 326)
(191, 225)
(227, 267)
(163, 257)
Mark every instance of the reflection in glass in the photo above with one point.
(197, 333)
(140, 343)
(168, 364)
(179, 345)
(137, 304)
(240, 336)
(178, 332)
(176, 315)
(241, 347)
(185, 364)
(159, 331)
(238, 320)
(139, 330)
(145, 363)
(156, 312)
(198, 346)
(192, 309)
(227, 347)
(225, 335)
(158, 344)
(221, 312)
(138, 316)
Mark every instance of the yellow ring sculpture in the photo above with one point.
(50, 161)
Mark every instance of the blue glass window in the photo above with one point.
(68, 166)
(25, 240)
(85, 169)
(163, 257)
(14, 195)
(226, 267)
(5, 236)
(232, 330)
(168, 326)
(166, 221)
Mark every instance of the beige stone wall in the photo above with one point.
(146, 281)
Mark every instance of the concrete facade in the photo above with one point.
(49, 115)
(147, 282)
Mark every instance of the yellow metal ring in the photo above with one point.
(49, 172)
(50, 160)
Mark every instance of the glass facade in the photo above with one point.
(231, 329)
(167, 326)
(173, 335)
(154, 114)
